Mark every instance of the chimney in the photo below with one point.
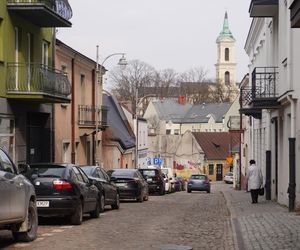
(181, 99)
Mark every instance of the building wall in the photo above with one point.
(84, 95)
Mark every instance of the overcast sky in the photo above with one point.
(177, 34)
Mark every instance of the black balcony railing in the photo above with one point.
(295, 14)
(264, 83)
(33, 79)
(87, 116)
(44, 13)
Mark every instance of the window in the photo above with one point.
(168, 131)
(84, 177)
(227, 77)
(226, 54)
(100, 174)
(64, 68)
(7, 136)
(176, 131)
(211, 169)
(1, 41)
(45, 53)
(65, 156)
(82, 89)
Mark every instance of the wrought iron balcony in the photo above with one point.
(264, 87)
(43, 13)
(263, 8)
(87, 116)
(38, 82)
(263, 93)
(295, 14)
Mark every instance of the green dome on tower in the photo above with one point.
(225, 33)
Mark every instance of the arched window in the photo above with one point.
(226, 54)
(227, 77)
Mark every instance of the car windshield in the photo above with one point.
(229, 174)
(198, 177)
(148, 172)
(46, 171)
(121, 172)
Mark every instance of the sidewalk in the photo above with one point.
(265, 225)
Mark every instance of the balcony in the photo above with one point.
(37, 82)
(43, 13)
(263, 8)
(263, 93)
(87, 116)
(295, 14)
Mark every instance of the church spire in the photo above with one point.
(225, 33)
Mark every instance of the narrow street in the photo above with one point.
(198, 220)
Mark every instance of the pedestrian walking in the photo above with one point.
(254, 180)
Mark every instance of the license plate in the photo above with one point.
(121, 184)
(42, 203)
(149, 179)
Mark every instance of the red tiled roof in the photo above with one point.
(217, 145)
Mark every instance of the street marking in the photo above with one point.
(67, 227)
(57, 230)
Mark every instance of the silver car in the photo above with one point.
(18, 211)
(198, 182)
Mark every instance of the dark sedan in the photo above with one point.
(64, 190)
(131, 184)
(109, 192)
(198, 182)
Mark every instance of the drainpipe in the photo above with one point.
(292, 158)
(73, 113)
(252, 137)
(268, 158)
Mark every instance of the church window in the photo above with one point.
(226, 54)
(227, 77)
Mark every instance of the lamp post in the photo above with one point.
(122, 62)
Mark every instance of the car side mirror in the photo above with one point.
(23, 168)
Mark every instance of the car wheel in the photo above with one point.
(102, 203)
(189, 190)
(116, 205)
(96, 212)
(146, 197)
(76, 217)
(32, 222)
(140, 198)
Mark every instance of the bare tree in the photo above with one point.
(197, 74)
(221, 92)
(136, 75)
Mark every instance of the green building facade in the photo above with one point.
(29, 82)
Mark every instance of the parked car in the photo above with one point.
(168, 187)
(130, 183)
(228, 178)
(155, 179)
(64, 190)
(171, 175)
(109, 192)
(18, 211)
(198, 182)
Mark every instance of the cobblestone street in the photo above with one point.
(198, 220)
(224, 219)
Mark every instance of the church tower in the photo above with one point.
(226, 64)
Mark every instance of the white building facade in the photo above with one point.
(272, 129)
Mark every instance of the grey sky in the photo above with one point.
(178, 34)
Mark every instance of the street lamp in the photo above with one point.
(122, 62)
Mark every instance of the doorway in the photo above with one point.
(219, 172)
(38, 138)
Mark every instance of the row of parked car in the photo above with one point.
(70, 191)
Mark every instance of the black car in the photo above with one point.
(18, 211)
(155, 179)
(130, 183)
(109, 192)
(64, 190)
